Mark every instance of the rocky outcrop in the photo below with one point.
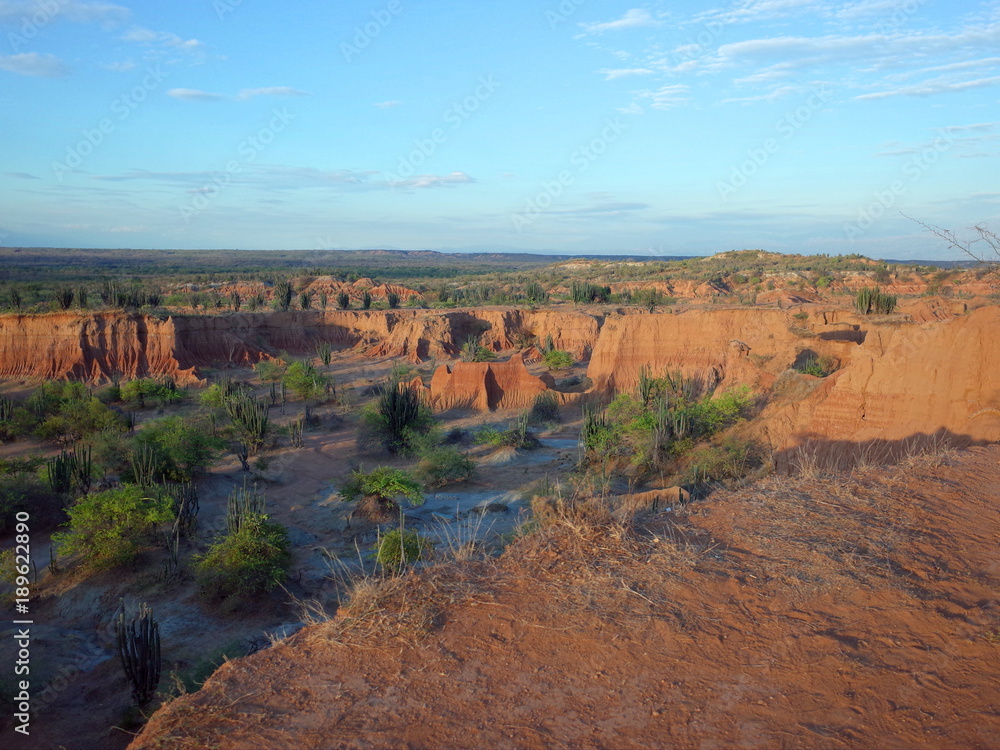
(486, 386)
(904, 382)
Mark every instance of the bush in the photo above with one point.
(377, 490)
(518, 435)
(557, 359)
(180, 449)
(305, 381)
(443, 464)
(159, 393)
(818, 367)
(269, 370)
(545, 408)
(24, 492)
(400, 547)
(245, 564)
(108, 528)
(395, 418)
(472, 351)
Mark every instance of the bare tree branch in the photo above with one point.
(987, 254)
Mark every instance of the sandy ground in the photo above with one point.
(849, 611)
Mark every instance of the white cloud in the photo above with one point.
(34, 64)
(667, 97)
(774, 95)
(932, 87)
(613, 73)
(432, 180)
(159, 42)
(270, 91)
(633, 19)
(387, 105)
(14, 12)
(194, 95)
(757, 10)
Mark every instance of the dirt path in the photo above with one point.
(825, 612)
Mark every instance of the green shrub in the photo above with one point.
(383, 484)
(443, 464)
(399, 548)
(25, 492)
(269, 370)
(245, 564)
(180, 449)
(472, 351)
(305, 381)
(396, 417)
(557, 359)
(544, 409)
(517, 435)
(108, 528)
(818, 367)
(159, 393)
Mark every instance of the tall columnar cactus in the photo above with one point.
(6, 409)
(60, 472)
(144, 466)
(244, 503)
(138, 646)
(250, 415)
(82, 468)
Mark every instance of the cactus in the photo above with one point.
(242, 451)
(82, 468)
(250, 416)
(60, 472)
(295, 432)
(872, 299)
(343, 300)
(64, 297)
(6, 409)
(138, 646)
(392, 299)
(324, 352)
(366, 301)
(185, 502)
(144, 466)
(304, 300)
(81, 297)
(243, 504)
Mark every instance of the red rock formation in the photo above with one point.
(486, 386)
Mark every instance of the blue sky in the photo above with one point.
(574, 127)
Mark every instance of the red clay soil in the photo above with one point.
(851, 611)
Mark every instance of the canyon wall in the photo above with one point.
(933, 367)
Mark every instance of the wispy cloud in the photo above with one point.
(433, 181)
(195, 95)
(21, 176)
(160, 43)
(667, 97)
(614, 73)
(271, 91)
(933, 87)
(758, 10)
(387, 105)
(34, 64)
(76, 11)
(633, 19)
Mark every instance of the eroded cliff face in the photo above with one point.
(933, 368)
